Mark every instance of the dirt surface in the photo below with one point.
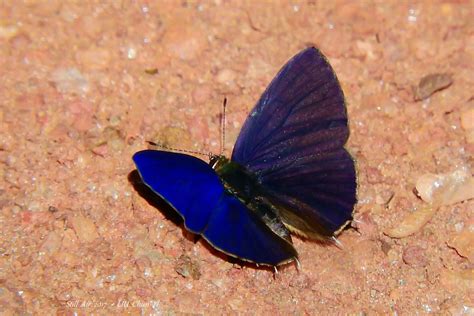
(83, 87)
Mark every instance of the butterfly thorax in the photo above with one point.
(236, 179)
(244, 185)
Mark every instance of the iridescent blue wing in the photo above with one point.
(293, 141)
(237, 231)
(195, 191)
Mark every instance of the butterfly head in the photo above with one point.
(217, 161)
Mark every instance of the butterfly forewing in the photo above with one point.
(293, 141)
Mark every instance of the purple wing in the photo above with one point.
(293, 141)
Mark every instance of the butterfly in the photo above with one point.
(289, 171)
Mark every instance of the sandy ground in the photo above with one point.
(82, 87)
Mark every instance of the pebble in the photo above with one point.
(431, 84)
(226, 76)
(366, 49)
(393, 256)
(301, 281)
(446, 189)
(457, 281)
(20, 41)
(412, 223)
(470, 136)
(187, 267)
(8, 31)
(415, 256)
(70, 80)
(143, 263)
(101, 150)
(52, 243)
(34, 206)
(467, 119)
(85, 228)
(464, 244)
(131, 52)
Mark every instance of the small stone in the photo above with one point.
(34, 206)
(143, 263)
(463, 243)
(226, 76)
(412, 223)
(101, 150)
(52, 243)
(457, 281)
(70, 80)
(467, 119)
(20, 41)
(470, 136)
(172, 136)
(373, 293)
(390, 109)
(186, 267)
(393, 256)
(132, 52)
(385, 246)
(431, 84)
(301, 281)
(366, 49)
(8, 31)
(125, 274)
(446, 189)
(373, 175)
(415, 256)
(85, 228)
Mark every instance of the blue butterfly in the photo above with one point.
(289, 171)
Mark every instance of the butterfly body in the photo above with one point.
(289, 170)
(245, 186)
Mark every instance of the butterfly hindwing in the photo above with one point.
(320, 191)
(293, 141)
(234, 227)
(195, 191)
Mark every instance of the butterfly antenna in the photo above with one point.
(161, 146)
(223, 121)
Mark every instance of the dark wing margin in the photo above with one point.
(293, 141)
(195, 191)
